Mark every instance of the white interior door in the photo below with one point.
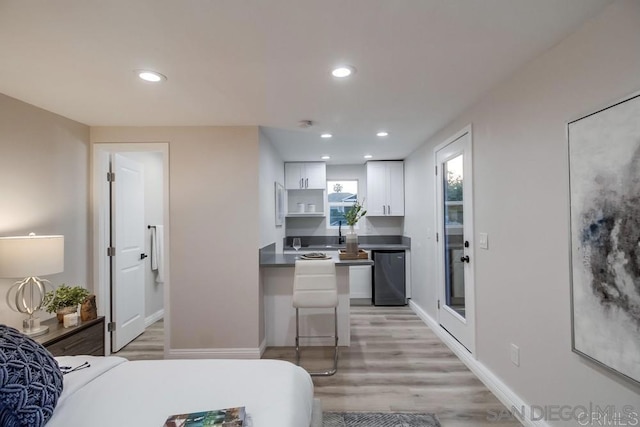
(127, 239)
(456, 310)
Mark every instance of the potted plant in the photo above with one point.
(64, 300)
(352, 216)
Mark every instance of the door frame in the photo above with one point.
(100, 200)
(470, 303)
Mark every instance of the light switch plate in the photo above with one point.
(515, 354)
(483, 241)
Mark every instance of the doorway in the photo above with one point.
(132, 292)
(454, 205)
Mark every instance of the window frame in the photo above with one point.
(329, 205)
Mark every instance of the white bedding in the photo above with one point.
(115, 392)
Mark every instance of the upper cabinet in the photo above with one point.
(305, 176)
(385, 189)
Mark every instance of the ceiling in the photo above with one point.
(419, 63)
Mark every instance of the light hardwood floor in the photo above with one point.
(148, 346)
(395, 363)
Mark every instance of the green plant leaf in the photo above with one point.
(354, 214)
(64, 296)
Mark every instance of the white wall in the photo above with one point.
(419, 224)
(271, 171)
(213, 306)
(44, 160)
(367, 225)
(521, 201)
(153, 206)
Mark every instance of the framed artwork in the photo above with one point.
(604, 180)
(279, 198)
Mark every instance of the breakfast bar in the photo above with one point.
(276, 281)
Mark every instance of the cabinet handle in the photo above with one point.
(306, 183)
(388, 209)
(301, 181)
(384, 209)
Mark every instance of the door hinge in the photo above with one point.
(438, 304)
(111, 326)
(437, 237)
(436, 170)
(111, 251)
(111, 176)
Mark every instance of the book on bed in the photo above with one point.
(229, 417)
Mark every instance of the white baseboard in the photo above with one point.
(150, 320)
(519, 408)
(263, 346)
(214, 353)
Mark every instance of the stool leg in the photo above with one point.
(297, 338)
(334, 369)
(335, 349)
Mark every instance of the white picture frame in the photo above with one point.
(279, 204)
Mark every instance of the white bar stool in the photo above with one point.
(315, 286)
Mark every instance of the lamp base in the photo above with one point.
(31, 327)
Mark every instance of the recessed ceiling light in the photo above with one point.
(368, 156)
(326, 135)
(151, 76)
(326, 157)
(383, 133)
(343, 71)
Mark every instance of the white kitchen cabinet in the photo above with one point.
(385, 188)
(360, 282)
(305, 176)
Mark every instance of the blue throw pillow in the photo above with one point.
(30, 381)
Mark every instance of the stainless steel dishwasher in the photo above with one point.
(388, 278)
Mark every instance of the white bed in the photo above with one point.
(116, 392)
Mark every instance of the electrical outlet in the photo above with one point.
(515, 354)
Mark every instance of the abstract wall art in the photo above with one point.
(604, 175)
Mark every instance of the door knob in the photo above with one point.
(143, 256)
(464, 258)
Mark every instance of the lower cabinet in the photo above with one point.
(360, 282)
(86, 338)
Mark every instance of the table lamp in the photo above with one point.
(28, 257)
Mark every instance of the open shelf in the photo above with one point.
(305, 197)
(304, 215)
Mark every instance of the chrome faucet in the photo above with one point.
(340, 236)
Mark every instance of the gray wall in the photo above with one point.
(44, 162)
(215, 234)
(521, 201)
(271, 171)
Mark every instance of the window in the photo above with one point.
(341, 195)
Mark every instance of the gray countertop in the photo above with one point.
(289, 260)
(270, 258)
(366, 242)
(365, 246)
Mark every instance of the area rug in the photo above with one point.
(378, 419)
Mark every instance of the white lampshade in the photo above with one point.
(31, 256)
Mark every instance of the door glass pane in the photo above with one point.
(453, 179)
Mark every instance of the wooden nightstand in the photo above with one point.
(86, 338)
